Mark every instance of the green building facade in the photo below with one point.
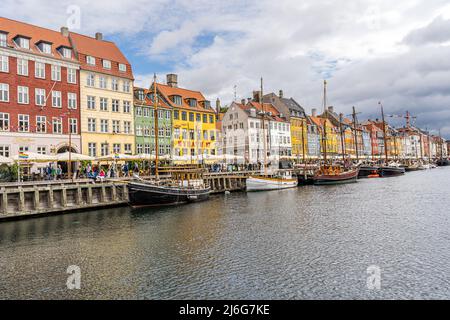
(144, 122)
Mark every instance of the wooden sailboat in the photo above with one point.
(333, 174)
(388, 170)
(181, 186)
(268, 182)
(442, 162)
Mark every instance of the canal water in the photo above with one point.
(305, 243)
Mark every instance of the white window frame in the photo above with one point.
(56, 99)
(104, 125)
(57, 121)
(56, 73)
(122, 67)
(22, 67)
(41, 120)
(90, 60)
(39, 70)
(90, 80)
(25, 120)
(4, 92)
(92, 149)
(4, 63)
(73, 125)
(6, 122)
(72, 100)
(39, 95)
(91, 101)
(23, 95)
(106, 64)
(103, 104)
(72, 75)
(92, 125)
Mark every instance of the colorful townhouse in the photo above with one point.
(376, 139)
(193, 122)
(332, 134)
(106, 96)
(314, 139)
(144, 122)
(296, 115)
(39, 90)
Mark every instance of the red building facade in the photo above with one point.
(39, 90)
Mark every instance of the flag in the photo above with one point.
(23, 155)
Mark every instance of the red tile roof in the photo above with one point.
(266, 107)
(35, 34)
(147, 101)
(167, 92)
(101, 50)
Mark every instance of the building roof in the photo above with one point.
(100, 49)
(147, 99)
(35, 34)
(268, 108)
(168, 91)
(288, 104)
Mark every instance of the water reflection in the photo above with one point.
(311, 242)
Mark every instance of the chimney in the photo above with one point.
(314, 112)
(281, 94)
(218, 105)
(65, 31)
(256, 96)
(172, 80)
(99, 36)
(331, 109)
(243, 102)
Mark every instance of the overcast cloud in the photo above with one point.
(369, 50)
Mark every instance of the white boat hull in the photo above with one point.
(267, 184)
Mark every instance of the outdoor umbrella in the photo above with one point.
(4, 160)
(74, 157)
(34, 157)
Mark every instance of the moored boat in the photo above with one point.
(391, 171)
(368, 171)
(267, 183)
(328, 175)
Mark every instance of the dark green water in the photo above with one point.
(305, 243)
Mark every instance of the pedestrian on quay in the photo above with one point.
(59, 172)
(125, 169)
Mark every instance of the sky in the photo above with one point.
(396, 52)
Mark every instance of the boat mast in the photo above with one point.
(384, 134)
(355, 132)
(264, 127)
(324, 135)
(341, 119)
(303, 147)
(440, 143)
(155, 110)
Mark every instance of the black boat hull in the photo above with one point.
(143, 195)
(347, 177)
(443, 163)
(391, 171)
(366, 171)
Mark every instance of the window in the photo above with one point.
(116, 126)
(106, 64)
(56, 99)
(4, 64)
(104, 149)
(122, 67)
(103, 82)
(192, 103)
(39, 70)
(72, 100)
(92, 147)
(72, 75)
(91, 102)
(205, 118)
(24, 43)
(176, 133)
(24, 148)
(4, 121)
(116, 148)
(90, 80)
(104, 126)
(141, 95)
(139, 130)
(24, 123)
(184, 115)
(168, 132)
(90, 60)
(73, 125)
(115, 105)
(92, 125)
(40, 97)
(41, 124)
(5, 150)
(66, 53)
(177, 100)
(127, 127)
(22, 95)
(22, 67)
(168, 115)
(126, 106)
(176, 114)
(147, 149)
(45, 48)
(103, 104)
(139, 149)
(3, 38)
(127, 148)
(115, 85)
(126, 86)
(191, 116)
(139, 111)
(211, 119)
(57, 125)
(146, 112)
(198, 117)
(41, 150)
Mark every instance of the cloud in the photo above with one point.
(369, 50)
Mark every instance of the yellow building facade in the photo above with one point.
(299, 137)
(193, 123)
(106, 97)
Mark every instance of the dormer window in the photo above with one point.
(3, 39)
(192, 103)
(45, 47)
(122, 67)
(141, 95)
(66, 53)
(90, 60)
(23, 42)
(177, 100)
(106, 64)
